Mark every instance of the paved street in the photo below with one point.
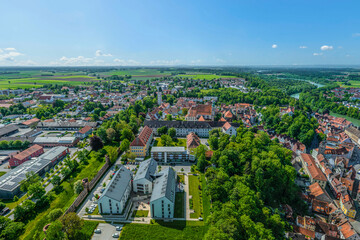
(107, 230)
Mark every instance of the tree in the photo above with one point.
(78, 187)
(55, 214)
(184, 111)
(56, 180)
(31, 178)
(214, 142)
(201, 163)
(111, 134)
(96, 143)
(172, 132)
(55, 231)
(124, 145)
(72, 223)
(169, 117)
(166, 140)
(127, 134)
(101, 132)
(162, 130)
(112, 154)
(36, 190)
(11, 230)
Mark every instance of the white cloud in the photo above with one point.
(356, 35)
(10, 49)
(317, 54)
(303, 47)
(129, 62)
(165, 62)
(73, 61)
(99, 53)
(274, 46)
(9, 55)
(326, 48)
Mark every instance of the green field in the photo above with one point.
(28, 80)
(2, 173)
(140, 213)
(203, 76)
(179, 142)
(179, 205)
(356, 122)
(142, 72)
(205, 198)
(354, 84)
(160, 230)
(196, 198)
(88, 229)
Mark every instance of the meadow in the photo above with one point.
(354, 84)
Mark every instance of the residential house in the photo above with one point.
(141, 144)
(145, 175)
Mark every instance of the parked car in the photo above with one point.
(102, 190)
(116, 235)
(201, 219)
(5, 211)
(97, 230)
(119, 228)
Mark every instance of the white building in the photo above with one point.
(159, 99)
(117, 192)
(228, 129)
(143, 181)
(162, 200)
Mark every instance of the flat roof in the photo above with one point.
(168, 149)
(11, 180)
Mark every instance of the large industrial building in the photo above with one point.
(19, 158)
(10, 182)
(56, 141)
(65, 125)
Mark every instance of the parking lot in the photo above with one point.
(107, 231)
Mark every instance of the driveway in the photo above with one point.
(107, 230)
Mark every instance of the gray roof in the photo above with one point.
(60, 140)
(147, 169)
(8, 129)
(118, 184)
(11, 179)
(66, 124)
(165, 185)
(168, 149)
(187, 124)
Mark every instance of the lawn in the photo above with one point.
(88, 229)
(63, 199)
(354, 84)
(355, 121)
(196, 198)
(162, 231)
(205, 198)
(140, 213)
(179, 205)
(144, 73)
(178, 142)
(2, 173)
(204, 76)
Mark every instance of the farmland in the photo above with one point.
(39, 81)
(203, 76)
(354, 84)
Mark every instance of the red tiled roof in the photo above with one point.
(143, 137)
(31, 121)
(85, 129)
(315, 172)
(27, 152)
(226, 126)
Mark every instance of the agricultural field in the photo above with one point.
(39, 81)
(138, 74)
(203, 76)
(354, 84)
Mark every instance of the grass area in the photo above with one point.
(354, 84)
(356, 122)
(2, 173)
(162, 231)
(140, 213)
(204, 76)
(88, 229)
(62, 199)
(10, 203)
(195, 192)
(178, 142)
(95, 212)
(38, 81)
(179, 205)
(181, 178)
(205, 198)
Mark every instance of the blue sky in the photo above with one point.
(186, 32)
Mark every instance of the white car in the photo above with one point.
(119, 228)
(97, 230)
(93, 205)
(116, 235)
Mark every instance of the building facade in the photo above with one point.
(141, 143)
(171, 154)
(143, 180)
(33, 151)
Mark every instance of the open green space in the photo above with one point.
(162, 231)
(205, 198)
(62, 199)
(39, 81)
(178, 142)
(141, 72)
(140, 213)
(356, 122)
(179, 205)
(88, 229)
(196, 200)
(354, 84)
(204, 76)
(2, 173)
